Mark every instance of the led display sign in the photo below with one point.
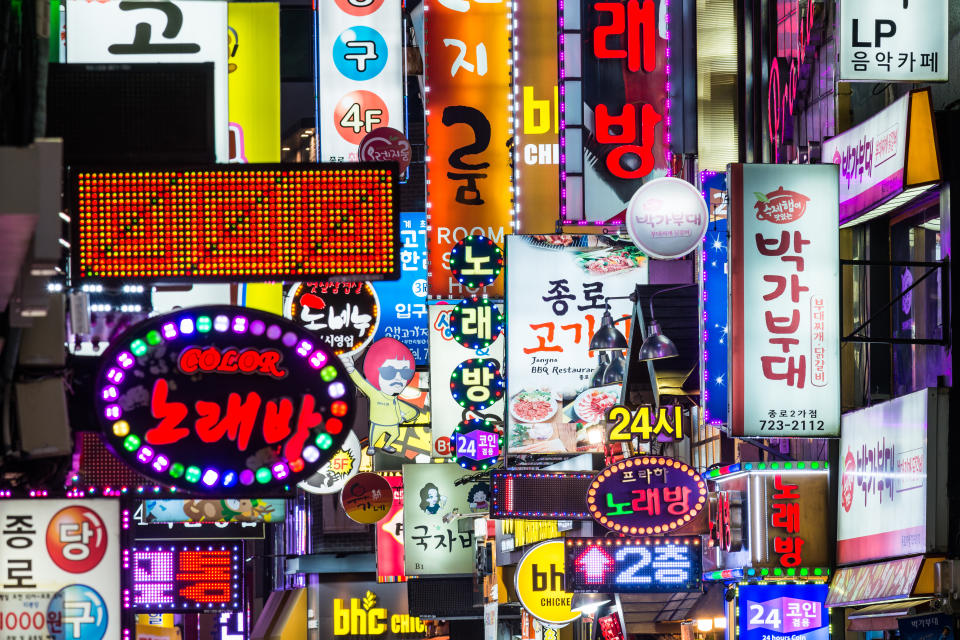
(222, 399)
(649, 565)
(539, 495)
(236, 222)
(782, 611)
(182, 577)
(647, 495)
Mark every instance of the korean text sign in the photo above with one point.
(169, 31)
(390, 536)
(783, 612)
(651, 565)
(468, 129)
(446, 354)
(893, 41)
(556, 291)
(178, 576)
(433, 546)
(66, 554)
(885, 466)
(360, 73)
(784, 295)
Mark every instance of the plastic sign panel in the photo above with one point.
(540, 584)
(254, 81)
(366, 498)
(863, 584)
(893, 42)
(331, 477)
(476, 261)
(643, 423)
(784, 301)
(886, 466)
(360, 73)
(235, 222)
(223, 399)
(355, 610)
(557, 288)
(432, 541)
(667, 218)
(648, 565)
(168, 31)
(713, 363)
(468, 123)
(543, 495)
(183, 577)
(390, 536)
(216, 510)
(63, 557)
(344, 314)
(782, 612)
(647, 495)
(386, 145)
(477, 443)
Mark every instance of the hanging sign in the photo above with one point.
(221, 399)
(366, 498)
(667, 218)
(385, 144)
(477, 443)
(781, 611)
(539, 581)
(183, 577)
(665, 424)
(344, 314)
(647, 495)
(389, 538)
(619, 565)
(476, 323)
(331, 477)
(476, 261)
(784, 301)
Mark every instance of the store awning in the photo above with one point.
(883, 617)
(284, 617)
(898, 579)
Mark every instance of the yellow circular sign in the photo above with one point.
(539, 582)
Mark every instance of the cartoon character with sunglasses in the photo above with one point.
(388, 367)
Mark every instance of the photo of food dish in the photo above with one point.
(592, 405)
(533, 406)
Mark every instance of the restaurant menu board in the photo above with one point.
(432, 541)
(557, 288)
(60, 564)
(783, 612)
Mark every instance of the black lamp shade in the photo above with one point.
(607, 336)
(616, 370)
(657, 346)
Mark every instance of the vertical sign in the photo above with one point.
(253, 66)
(784, 294)
(625, 107)
(359, 73)
(468, 108)
(63, 557)
(165, 31)
(893, 41)
(446, 355)
(714, 350)
(432, 541)
(390, 536)
(537, 154)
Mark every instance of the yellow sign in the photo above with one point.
(539, 583)
(669, 422)
(254, 81)
(156, 619)
(362, 617)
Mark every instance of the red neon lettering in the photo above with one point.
(249, 361)
(190, 360)
(276, 420)
(639, 23)
(228, 363)
(170, 414)
(269, 359)
(649, 118)
(231, 360)
(209, 572)
(306, 420)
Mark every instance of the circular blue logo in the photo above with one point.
(77, 612)
(360, 53)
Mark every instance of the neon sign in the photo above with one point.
(477, 443)
(236, 222)
(649, 565)
(782, 96)
(182, 577)
(223, 399)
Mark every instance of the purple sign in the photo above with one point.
(386, 145)
(647, 495)
(782, 612)
(477, 443)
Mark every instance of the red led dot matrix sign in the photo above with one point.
(638, 565)
(223, 400)
(648, 495)
(182, 577)
(236, 222)
(539, 495)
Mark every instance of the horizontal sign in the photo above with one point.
(666, 423)
(199, 531)
(539, 495)
(236, 222)
(182, 577)
(891, 580)
(649, 565)
(782, 611)
(200, 510)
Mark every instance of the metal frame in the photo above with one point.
(943, 265)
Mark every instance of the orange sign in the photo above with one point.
(468, 130)
(366, 498)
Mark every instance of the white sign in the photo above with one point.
(331, 477)
(893, 41)
(557, 290)
(871, 157)
(667, 218)
(885, 471)
(66, 555)
(112, 31)
(445, 354)
(784, 301)
(359, 73)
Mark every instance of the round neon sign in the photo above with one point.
(222, 399)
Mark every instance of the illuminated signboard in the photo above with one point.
(477, 443)
(344, 314)
(614, 56)
(389, 533)
(666, 423)
(223, 399)
(539, 495)
(236, 222)
(182, 577)
(784, 301)
(648, 565)
(647, 495)
(782, 611)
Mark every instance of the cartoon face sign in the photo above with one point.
(389, 366)
(846, 481)
(478, 497)
(430, 499)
